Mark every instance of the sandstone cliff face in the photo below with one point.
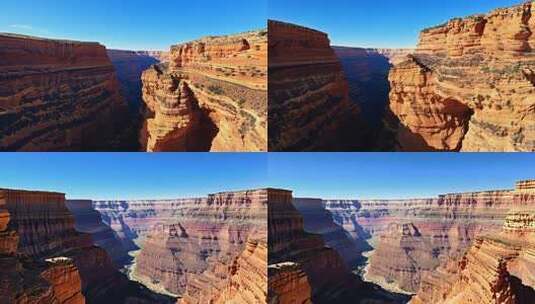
(411, 238)
(57, 95)
(88, 220)
(469, 85)
(211, 96)
(496, 269)
(200, 249)
(309, 105)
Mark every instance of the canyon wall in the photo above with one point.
(497, 268)
(366, 71)
(309, 104)
(57, 95)
(303, 263)
(88, 220)
(201, 250)
(468, 87)
(211, 96)
(412, 237)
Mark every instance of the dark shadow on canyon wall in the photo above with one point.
(129, 67)
(367, 75)
(526, 294)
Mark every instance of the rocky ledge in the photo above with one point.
(469, 86)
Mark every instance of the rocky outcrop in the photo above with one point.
(309, 104)
(496, 269)
(411, 238)
(57, 95)
(468, 86)
(88, 220)
(211, 96)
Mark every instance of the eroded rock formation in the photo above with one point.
(497, 268)
(469, 86)
(210, 249)
(309, 104)
(411, 238)
(211, 96)
(57, 95)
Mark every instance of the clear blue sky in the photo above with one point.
(131, 24)
(396, 175)
(386, 23)
(132, 175)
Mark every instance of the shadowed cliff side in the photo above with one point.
(58, 95)
(309, 104)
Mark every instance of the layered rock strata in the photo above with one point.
(88, 220)
(309, 104)
(423, 233)
(301, 268)
(210, 249)
(211, 96)
(469, 85)
(57, 95)
(45, 260)
(496, 269)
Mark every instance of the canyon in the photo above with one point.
(309, 105)
(430, 249)
(200, 250)
(57, 95)
(468, 86)
(210, 96)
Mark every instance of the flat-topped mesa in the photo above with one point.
(468, 87)
(57, 95)
(309, 104)
(210, 97)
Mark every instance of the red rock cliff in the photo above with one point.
(309, 105)
(210, 97)
(469, 85)
(57, 95)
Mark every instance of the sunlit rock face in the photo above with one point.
(58, 95)
(412, 238)
(309, 104)
(201, 250)
(469, 86)
(210, 96)
(497, 268)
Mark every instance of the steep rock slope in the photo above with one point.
(57, 95)
(211, 96)
(309, 105)
(421, 234)
(302, 268)
(88, 220)
(367, 72)
(497, 268)
(469, 86)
